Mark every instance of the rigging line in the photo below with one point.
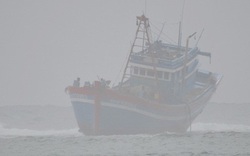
(167, 41)
(165, 38)
(199, 37)
(172, 41)
(120, 71)
(168, 23)
(163, 33)
(169, 38)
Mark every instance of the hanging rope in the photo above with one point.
(159, 30)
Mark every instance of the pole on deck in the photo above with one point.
(97, 106)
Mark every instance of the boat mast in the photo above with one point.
(180, 34)
(139, 42)
(184, 69)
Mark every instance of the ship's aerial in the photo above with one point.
(162, 90)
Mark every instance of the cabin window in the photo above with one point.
(179, 74)
(142, 71)
(173, 76)
(151, 73)
(166, 75)
(159, 74)
(189, 68)
(183, 72)
(136, 70)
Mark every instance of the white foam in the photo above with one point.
(219, 127)
(29, 132)
(198, 127)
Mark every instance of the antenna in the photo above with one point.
(145, 7)
(183, 5)
(161, 31)
(180, 25)
(199, 37)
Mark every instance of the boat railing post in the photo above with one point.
(97, 106)
(189, 116)
(184, 72)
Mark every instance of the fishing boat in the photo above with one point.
(162, 89)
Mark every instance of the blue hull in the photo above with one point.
(119, 121)
(110, 117)
(163, 90)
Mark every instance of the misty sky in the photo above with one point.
(46, 44)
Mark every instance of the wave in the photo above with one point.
(219, 127)
(196, 127)
(29, 132)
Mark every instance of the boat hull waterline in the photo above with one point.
(114, 117)
(162, 90)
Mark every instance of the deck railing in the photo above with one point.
(164, 63)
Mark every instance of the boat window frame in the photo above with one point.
(142, 71)
(135, 70)
(159, 74)
(166, 75)
(150, 73)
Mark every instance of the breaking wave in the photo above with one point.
(219, 127)
(29, 132)
(196, 127)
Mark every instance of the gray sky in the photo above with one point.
(45, 45)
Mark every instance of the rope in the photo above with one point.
(163, 34)
(124, 62)
(189, 114)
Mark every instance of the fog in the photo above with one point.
(45, 45)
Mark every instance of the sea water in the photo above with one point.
(40, 131)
